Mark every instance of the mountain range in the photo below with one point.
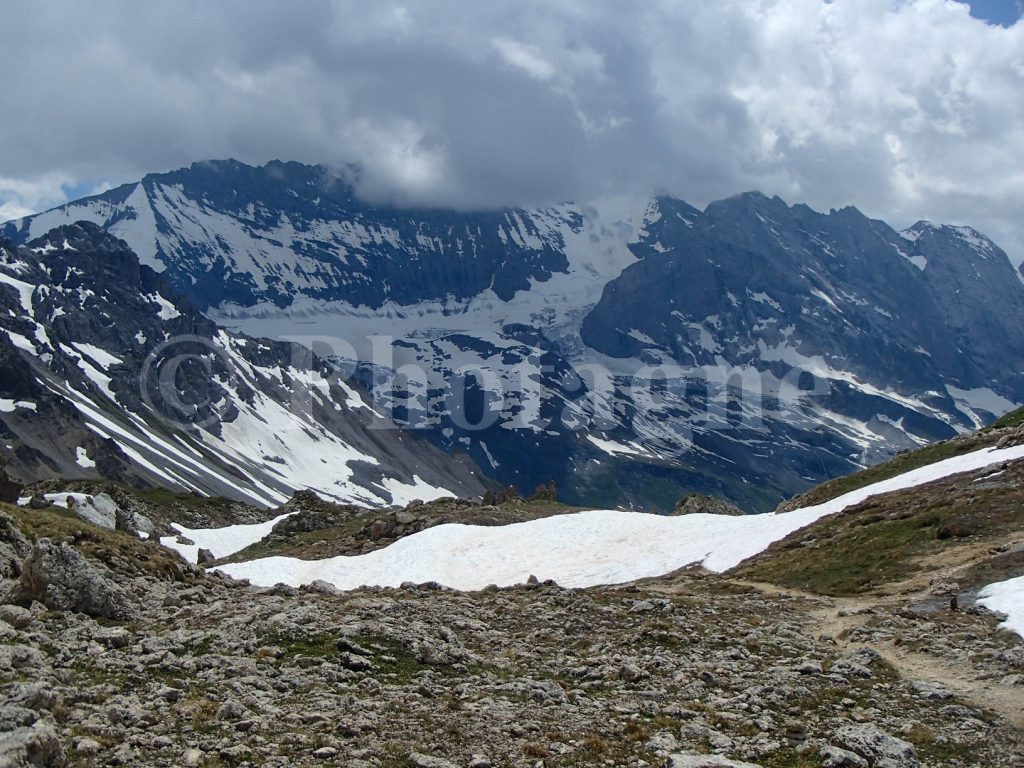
(632, 350)
(105, 372)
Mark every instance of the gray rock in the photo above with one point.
(100, 510)
(405, 517)
(321, 587)
(16, 616)
(835, 757)
(877, 747)
(14, 548)
(693, 760)
(34, 747)
(809, 667)
(32, 696)
(204, 556)
(698, 503)
(62, 579)
(427, 761)
(87, 746)
(929, 690)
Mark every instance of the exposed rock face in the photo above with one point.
(705, 761)
(9, 490)
(362, 254)
(99, 510)
(33, 746)
(94, 344)
(878, 748)
(59, 577)
(14, 548)
(702, 309)
(697, 503)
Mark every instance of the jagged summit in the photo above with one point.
(910, 336)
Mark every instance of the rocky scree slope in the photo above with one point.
(106, 372)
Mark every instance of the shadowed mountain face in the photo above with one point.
(633, 351)
(106, 372)
(755, 282)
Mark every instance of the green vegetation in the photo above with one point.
(1012, 419)
(907, 462)
(117, 549)
(897, 466)
(885, 539)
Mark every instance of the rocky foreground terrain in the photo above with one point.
(115, 653)
(838, 646)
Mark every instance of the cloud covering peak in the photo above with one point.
(909, 109)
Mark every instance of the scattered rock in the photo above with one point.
(705, 761)
(60, 578)
(16, 616)
(14, 548)
(426, 761)
(204, 556)
(836, 757)
(877, 747)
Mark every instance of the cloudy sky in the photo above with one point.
(906, 108)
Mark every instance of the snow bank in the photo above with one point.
(220, 541)
(582, 549)
(1006, 597)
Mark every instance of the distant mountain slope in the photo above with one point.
(223, 231)
(106, 372)
(756, 282)
(633, 350)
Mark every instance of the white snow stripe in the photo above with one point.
(583, 549)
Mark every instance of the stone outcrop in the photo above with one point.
(59, 577)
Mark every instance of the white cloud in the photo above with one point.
(525, 58)
(20, 197)
(905, 108)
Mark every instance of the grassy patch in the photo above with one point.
(885, 538)
(897, 466)
(1012, 419)
(131, 553)
(311, 646)
(307, 545)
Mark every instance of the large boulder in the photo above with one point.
(100, 510)
(28, 742)
(877, 747)
(60, 577)
(693, 760)
(14, 548)
(9, 490)
(698, 503)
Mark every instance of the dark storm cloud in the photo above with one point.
(905, 108)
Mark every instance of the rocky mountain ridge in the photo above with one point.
(106, 372)
(632, 350)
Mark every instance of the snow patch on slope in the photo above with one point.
(222, 542)
(582, 549)
(1006, 597)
